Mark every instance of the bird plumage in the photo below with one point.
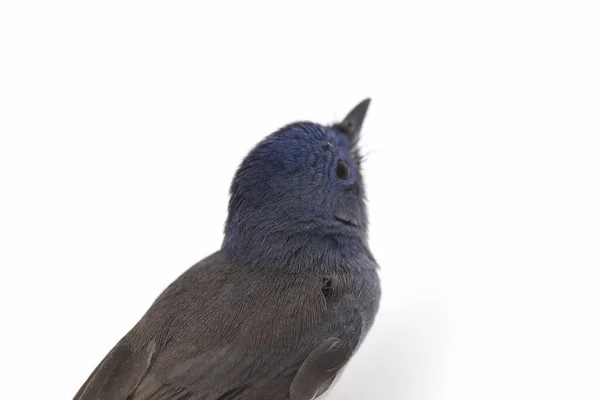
(277, 312)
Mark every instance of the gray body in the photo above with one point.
(225, 332)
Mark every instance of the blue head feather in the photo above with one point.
(299, 195)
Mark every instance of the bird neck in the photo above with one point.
(293, 247)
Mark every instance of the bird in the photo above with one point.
(279, 310)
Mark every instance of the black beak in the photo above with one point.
(352, 124)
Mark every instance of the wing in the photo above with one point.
(118, 375)
(319, 370)
(223, 375)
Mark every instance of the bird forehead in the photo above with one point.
(303, 142)
(311, 136)
(306, 132)
(300, 139)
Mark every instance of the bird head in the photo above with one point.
(303, 181)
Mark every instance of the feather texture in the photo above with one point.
(277, 312)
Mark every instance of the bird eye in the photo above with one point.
(342, 172)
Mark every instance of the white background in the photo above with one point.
(122, 124)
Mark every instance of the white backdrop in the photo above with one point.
(122, 124)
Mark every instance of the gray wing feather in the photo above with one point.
(118, 375)
(319, 370)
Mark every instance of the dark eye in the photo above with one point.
(342, 172)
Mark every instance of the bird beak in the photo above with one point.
(352, 124)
